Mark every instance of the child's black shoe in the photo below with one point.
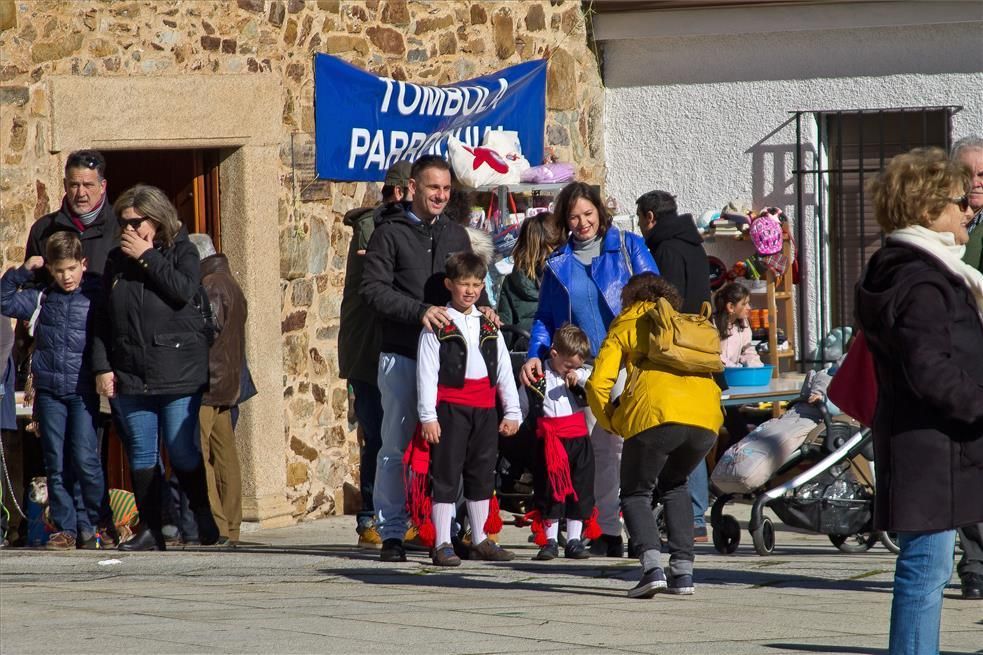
(550, 551)
(575, 549)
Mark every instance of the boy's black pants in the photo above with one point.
(468, 446)
(580, 454)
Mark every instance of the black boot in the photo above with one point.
(146, 490)
(196, 489)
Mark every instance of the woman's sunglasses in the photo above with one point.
(962, 202)
(131, 222)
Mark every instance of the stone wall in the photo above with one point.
(427, 42)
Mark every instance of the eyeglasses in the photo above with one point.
(962, 202)
(131, 222)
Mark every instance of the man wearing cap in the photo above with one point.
(677, 248)
(359, 340)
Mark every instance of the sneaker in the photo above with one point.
(392, 551)
(489, 551)
(61, 541)
(971, 586)
(652, 582)
(681, 585)
(575, 549)
(550, 551)
(443, 555)
(369, 539)
(700, 534)
(608, 545)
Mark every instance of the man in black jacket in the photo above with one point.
(85, 210)
(677, 248)
(403, 281)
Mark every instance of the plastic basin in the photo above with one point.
(740, 376)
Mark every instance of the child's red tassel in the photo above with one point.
(538, 527)
(493, 524)
(592, 530)
(419, 506)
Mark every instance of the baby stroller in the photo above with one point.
(825, 486)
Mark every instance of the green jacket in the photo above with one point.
(517, 304)
(974, 249)
(359, 336)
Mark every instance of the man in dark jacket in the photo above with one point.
(969, 151)
(677, 248)
(403, 281)
(225, 358)
(85, 210)
(359, 340)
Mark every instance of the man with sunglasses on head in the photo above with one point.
(969, 151)
(85, 210)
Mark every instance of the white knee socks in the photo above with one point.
(553, 529)
(442, 515)
(574, 529)
(478, 514)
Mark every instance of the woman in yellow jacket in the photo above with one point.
(669, 421)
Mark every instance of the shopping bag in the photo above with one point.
(854, 385)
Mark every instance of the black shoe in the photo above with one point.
(195, 487)
(575, 549)
(652, 582)
(608, 545)
(144, 540)
(550, 551)
(972, 586)
(681, 585)
(392, 551)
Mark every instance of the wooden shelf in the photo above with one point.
(783, 295)
(780, 315)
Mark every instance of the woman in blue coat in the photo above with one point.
(582, 283)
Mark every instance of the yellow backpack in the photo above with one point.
(687, 343)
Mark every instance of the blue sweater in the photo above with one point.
(61, 362)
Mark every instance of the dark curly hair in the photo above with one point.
(649, 287)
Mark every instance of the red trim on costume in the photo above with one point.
(538, 526)
(493, 524)
(475, 393)
(551, 429)
(592, 529)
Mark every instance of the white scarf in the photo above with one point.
(942, 246)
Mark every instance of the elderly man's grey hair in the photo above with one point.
(971, 142)
(204, 244)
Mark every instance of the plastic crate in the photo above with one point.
(740, 376)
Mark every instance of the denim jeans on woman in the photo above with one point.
(662, 458)
(70, 447)
(174, 418)
(921, 574)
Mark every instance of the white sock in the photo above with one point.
(442, 514)
(552, 529)
(478, 514)
(574, 530)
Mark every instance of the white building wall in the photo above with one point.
(707, 117)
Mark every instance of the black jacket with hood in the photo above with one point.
(98, 239)
(924, 332)
(677, 249)
(403, 273)
(155, 341)
(359, 335)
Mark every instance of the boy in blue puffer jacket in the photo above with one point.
(61, 318)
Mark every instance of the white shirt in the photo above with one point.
(428, 366)
(559, 400)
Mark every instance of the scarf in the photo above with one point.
(586, 251)
(87, 218)
(942, 246)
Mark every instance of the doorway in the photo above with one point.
(190, 178)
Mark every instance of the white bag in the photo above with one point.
(748, 464)
(480, 166)
(506, 143)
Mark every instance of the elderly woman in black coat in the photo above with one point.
(921, 310)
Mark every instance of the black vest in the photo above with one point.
(454, 353)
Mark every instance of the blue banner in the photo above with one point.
(364, 123)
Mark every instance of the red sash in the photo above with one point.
(551, 430)
(475, 393)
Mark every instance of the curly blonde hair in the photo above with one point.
(915, 187)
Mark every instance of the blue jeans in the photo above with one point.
(922, 571)
(368, 410)
(699, 493)
(397, 384)
(174, 418)
(70, 447)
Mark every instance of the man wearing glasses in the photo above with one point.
(85, 210)
(969, 151)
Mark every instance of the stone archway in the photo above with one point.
(241, 115)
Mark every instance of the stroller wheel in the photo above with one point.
(764, 537)
(890, 541)
(854, 543)
(727, 536)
